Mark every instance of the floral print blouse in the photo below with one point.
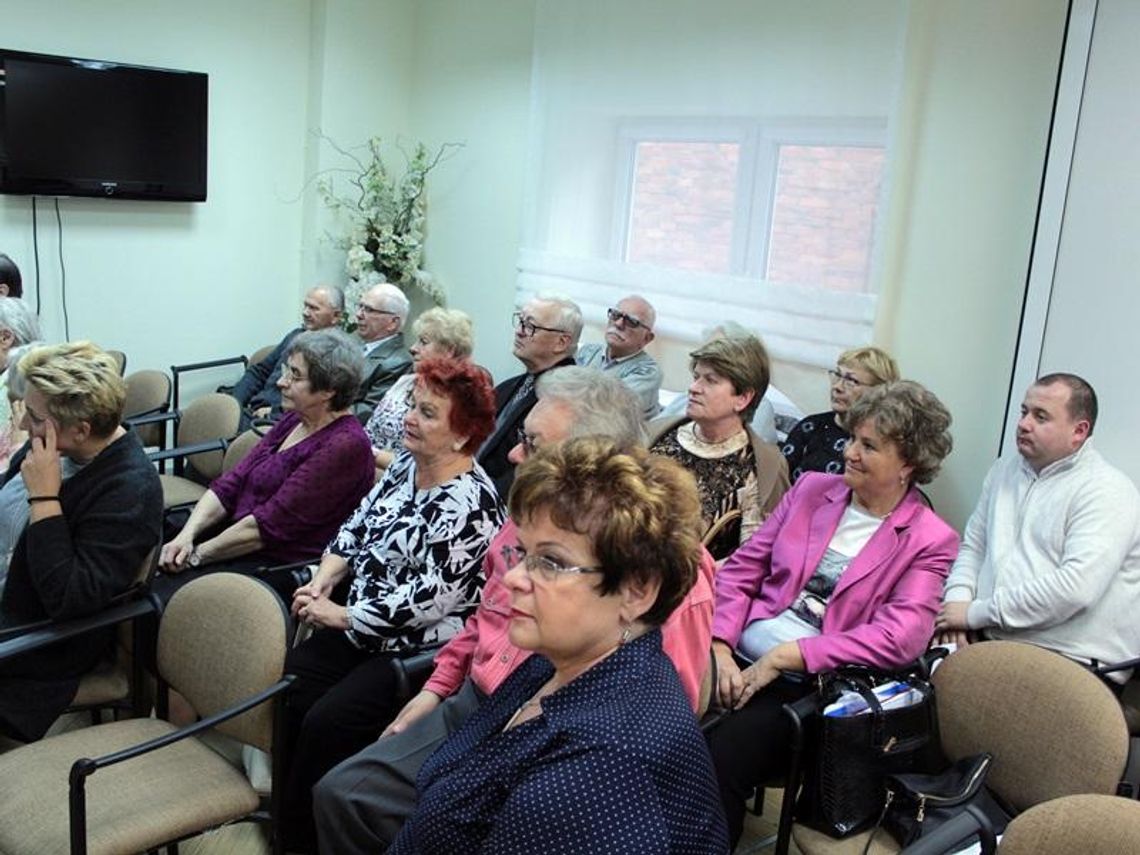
(415, 556)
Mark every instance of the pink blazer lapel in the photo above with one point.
(822, 527)
(882, 545)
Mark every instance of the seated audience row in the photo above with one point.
(599, 570)
(411, 552)
(361, 805)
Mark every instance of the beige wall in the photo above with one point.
(471, 84)
(978, 96)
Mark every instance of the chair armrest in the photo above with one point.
(411, 668)
(50, 632)
(187, 450)
(86, 765)
(950, 835)
(176, 371)
(1101, 670)
(152, 417)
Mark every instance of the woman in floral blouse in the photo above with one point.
(411, 553)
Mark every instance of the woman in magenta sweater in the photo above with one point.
(286, 499)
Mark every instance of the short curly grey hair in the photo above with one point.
(334, 361)
(910, 416)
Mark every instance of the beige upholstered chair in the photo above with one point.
(242, 445)
(261, 354)
(209, 422)
(221, 645)
(116, 683)
(1053, 727)
(148, 394)
(1088, 824)
(120, 360)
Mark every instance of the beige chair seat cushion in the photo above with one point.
(809, 840)
(180, 491)
(170, 792)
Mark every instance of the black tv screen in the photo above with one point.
(79, 127)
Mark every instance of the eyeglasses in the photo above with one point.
(526, 441)
(291, 375)
(540, 566)
(369, 310)
(630, 321)
(528, 327)
(847, 381)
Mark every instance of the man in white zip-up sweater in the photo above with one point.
(1051, 554)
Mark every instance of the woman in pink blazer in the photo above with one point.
(848, 570)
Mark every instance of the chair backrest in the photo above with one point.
(148, 392)
(222, 638)
(241, 446)
(1091, 825)
(261, 353)
(120, 360)
(212, 416)
(1053, 727)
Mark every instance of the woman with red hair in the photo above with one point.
(411, 553)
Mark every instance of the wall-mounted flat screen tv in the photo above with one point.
(81, 127)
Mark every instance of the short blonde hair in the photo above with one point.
(449, 328)
(80, 382)
(875, 361)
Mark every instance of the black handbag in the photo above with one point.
(915, 805)
(844, 785)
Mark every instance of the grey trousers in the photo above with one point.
(361, 804)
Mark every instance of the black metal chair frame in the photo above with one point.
(176, 371)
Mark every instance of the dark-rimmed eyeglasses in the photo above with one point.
(526, 440)
(847, 381)
(528, 327)
(539, 566)
(629, 320)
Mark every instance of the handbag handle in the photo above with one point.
(879, 739)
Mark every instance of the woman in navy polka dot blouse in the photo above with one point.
(590, 746)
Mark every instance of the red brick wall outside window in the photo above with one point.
(684, 200)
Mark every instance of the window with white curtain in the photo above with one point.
(777, 203)
(737, 173)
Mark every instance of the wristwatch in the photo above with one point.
(195, 557)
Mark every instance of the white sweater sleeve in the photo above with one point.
(962, 583)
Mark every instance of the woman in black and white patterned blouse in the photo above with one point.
(413, 550)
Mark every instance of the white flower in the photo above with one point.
(357, 261)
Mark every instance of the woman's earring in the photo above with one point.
(626, 632)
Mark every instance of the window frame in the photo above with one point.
(760, 142)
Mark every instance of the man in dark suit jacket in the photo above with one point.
(380, 315)
(546, 336)
(257, 390)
